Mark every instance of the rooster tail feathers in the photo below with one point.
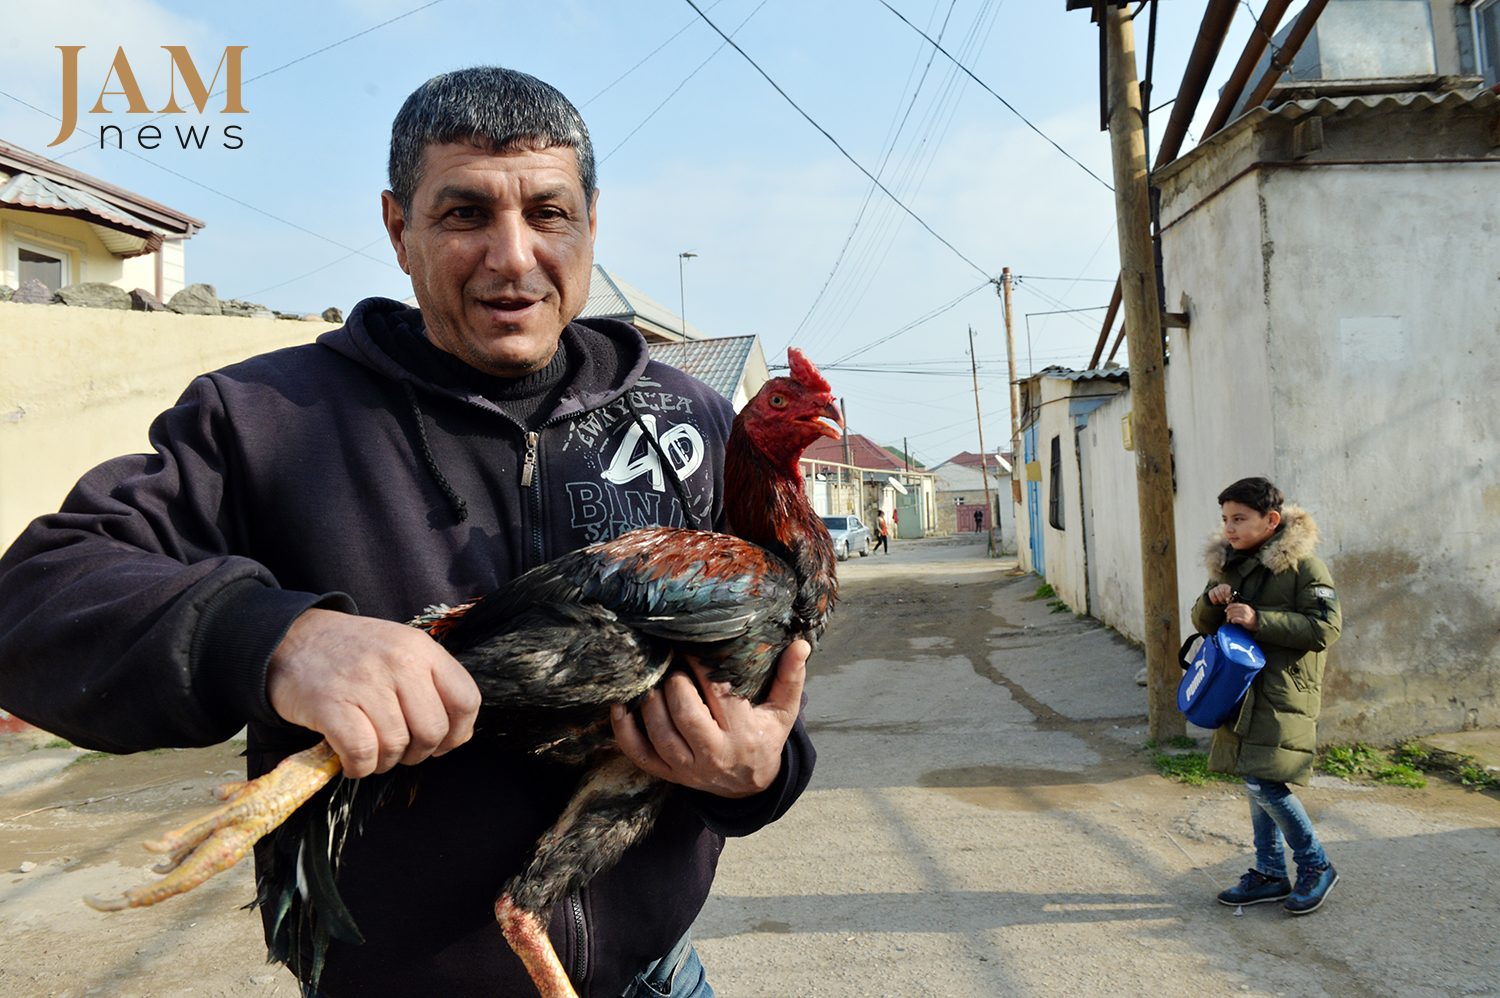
(297, 884)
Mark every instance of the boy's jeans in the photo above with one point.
(1275, 812)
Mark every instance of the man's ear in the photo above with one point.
(395, 226)
(1275, 518)
(594, 216)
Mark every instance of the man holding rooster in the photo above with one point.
(255, 568)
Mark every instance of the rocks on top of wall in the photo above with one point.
(32, 292)
(144, 301)
(6, 291)
(333, 315)
(93, 294)
(196, 299)
(246, 309)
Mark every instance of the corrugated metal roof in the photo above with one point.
(30, 191)
(1444, 105)
(610, 297)
(1116, 374)
(14, 159)
(122, 233)
(719, 363)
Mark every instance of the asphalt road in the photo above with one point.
(983, 822)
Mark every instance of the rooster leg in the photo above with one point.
(217, 841)
(613, 808)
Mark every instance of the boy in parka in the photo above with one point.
(1264, 576)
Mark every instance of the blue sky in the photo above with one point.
(699, 154)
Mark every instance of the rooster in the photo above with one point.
(551, 651)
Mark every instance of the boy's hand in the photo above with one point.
(1220, 594)
(1243, 614)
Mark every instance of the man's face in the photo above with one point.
(1246, 529)
(500, 248)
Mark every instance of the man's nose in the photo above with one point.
(510, 252)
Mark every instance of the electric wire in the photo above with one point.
(877, 227)
(679, 87)
(645, 60)
(836, 144)
(992, 93)
(889, 146)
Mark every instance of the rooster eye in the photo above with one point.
(778, 401)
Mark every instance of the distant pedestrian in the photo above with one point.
(882, 533)
(1264, 576)
(978, 520)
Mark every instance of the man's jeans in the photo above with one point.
(1277, 815)
(679, 974)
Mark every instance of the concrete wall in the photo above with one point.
(1111, 511)
(79, 386)
(1343, 342)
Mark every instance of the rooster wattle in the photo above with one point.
(551, 651)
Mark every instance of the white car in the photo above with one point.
(849, 535)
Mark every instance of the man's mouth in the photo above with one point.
(509, 304)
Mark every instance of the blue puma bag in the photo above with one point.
(1218, 674)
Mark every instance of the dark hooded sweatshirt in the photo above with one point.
(355, 474)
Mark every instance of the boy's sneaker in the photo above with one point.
(1256, 888)
(1312, 887)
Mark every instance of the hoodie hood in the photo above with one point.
(611, 355)
(1295, 539)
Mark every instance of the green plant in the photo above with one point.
(1058, 606)
(1477, 777)
(1045, 591)
(1399, 774)
(1348, 761)
(1190, 768)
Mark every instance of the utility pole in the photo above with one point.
(1015, 391)
(1153, 445)
(989, 506)
(682, 290)
(847, 472)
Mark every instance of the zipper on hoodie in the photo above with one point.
(580, 967)
(529, 468)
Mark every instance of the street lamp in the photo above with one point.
(682, 290)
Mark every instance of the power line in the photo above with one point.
(684, 83)
(647, 59)
(911, 325)
(992, 93)
(836, 145)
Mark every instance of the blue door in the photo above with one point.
(1034, 506)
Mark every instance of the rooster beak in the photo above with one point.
(833, 412)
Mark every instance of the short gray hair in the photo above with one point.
(496, 108)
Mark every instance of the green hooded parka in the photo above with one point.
(1273, 735)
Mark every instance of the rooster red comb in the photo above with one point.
(804, 373)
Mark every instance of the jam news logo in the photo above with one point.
(180, 64)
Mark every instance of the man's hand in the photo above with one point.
(1220, 594)
(380, 692)
(714, 740)
(1243, 614)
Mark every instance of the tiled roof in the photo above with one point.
(969, 459)
(121, 232)
(863, 453)
(15, 160)
(719, 363)
(610, 297)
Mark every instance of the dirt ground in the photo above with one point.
(983, 822)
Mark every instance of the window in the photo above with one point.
(1487, 39)
(45, 268)
(1054, 487)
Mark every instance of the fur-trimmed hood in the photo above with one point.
(1295, 539)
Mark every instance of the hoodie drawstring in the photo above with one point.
(460, 507)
